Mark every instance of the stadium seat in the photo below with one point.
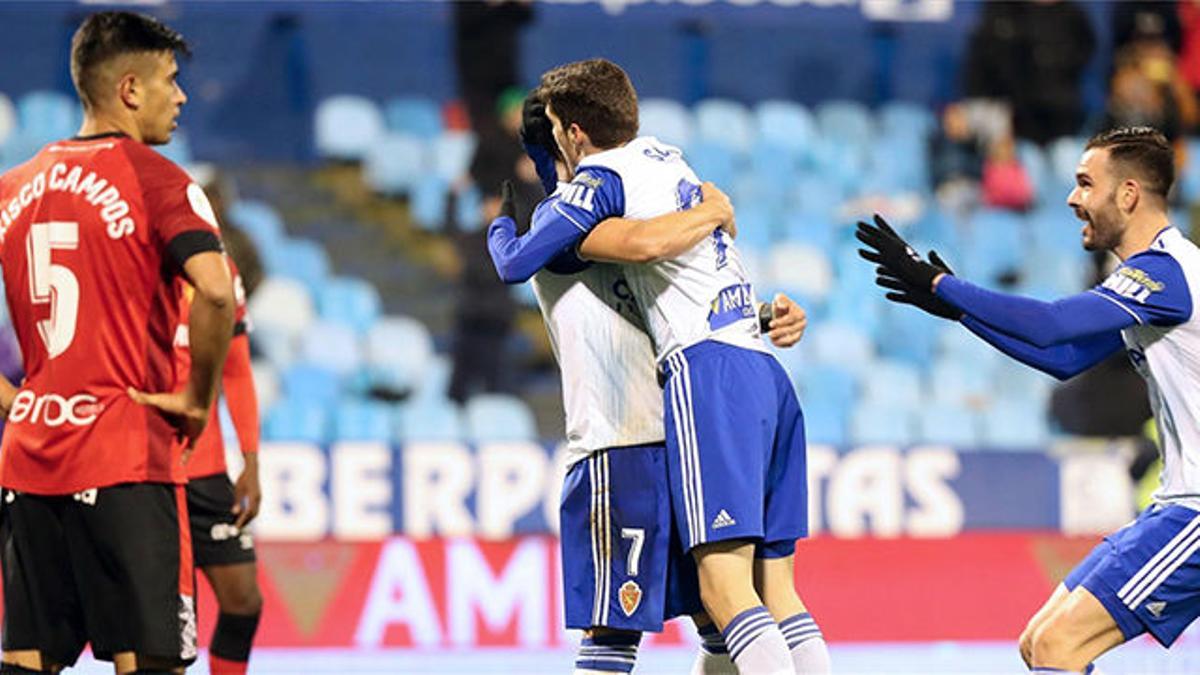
(398, 350)
(468, 209)
(277, 344)
(846, 122)
(427, 203)
(726, 123)
(394, 164)
(958, 381)
(452, 154)
(433, 419)
(312, 382)
(8, 118)
(842, 163)
(786, 126)
(435, 378)
(294, 420)
(179, 150)
(413, 115)
(841, 344)
(47, 116)
(1016, 425)
(499, 417)
(800, 268)
(356, 420)
(911, 334)
(347, 127)
(713, 162)
(996, 244)
(830, 384)
(948, 424)
(266, 383)
(283, 304)
(893, 384)
(758, 225)
(301, 259)
(350, 301)
(825, 423)
(817, 196)
(332, 345)
(810, 229)
(1037, 167)
(907, 120)
(667, 120)
(1054, 230)
(898, 164)
(1063, 155)
(772, 176)
(880, 424)
(260, 221)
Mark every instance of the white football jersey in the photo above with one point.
(610, 391)
(705, 294)
(1168, 357)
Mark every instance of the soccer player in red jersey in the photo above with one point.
(94, 231)
(218, 509)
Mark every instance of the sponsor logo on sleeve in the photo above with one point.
(1133, 283)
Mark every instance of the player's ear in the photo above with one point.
(129, 90)
(1130, 194)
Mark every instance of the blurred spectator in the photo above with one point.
(974, 161)
(1136, 98)
(487, 53)
(1189, 50)
(956, 160)
(238, 244)
(1032, 54)
(484, 309)
(1133, 20)
(1005, 183)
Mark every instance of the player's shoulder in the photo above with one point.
(633, 156)
(150, 166)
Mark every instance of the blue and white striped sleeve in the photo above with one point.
(1151, 287)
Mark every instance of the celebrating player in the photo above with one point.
(219, 510)
(1143, 577)
(735, 439)
(95, 229)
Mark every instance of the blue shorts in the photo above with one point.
(1147, 574)
(622, 565)
(735, 436)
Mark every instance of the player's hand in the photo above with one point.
(788, 321)
(537, 135)
(888, 250)
(247, 493)
(906, 294)
(186, 415)
(7, 394)
(711, 197)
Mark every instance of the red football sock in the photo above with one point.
(220, 666)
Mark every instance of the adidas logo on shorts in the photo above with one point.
(1156, 608)
(723, 519)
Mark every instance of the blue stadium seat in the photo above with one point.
(667, 120)
(468, 209)
(825, 423)
(1037, 167)
(1054, 230)
(725, 122)
(908, 120)
(427, 202)
(350, 301)
(295, 420)
(282, 304)
(347, 127)
(810, 229)
(828, 384)
(841, 163)
(311, 382)
(899, 164)
(179, 150)
(958, 381)
(356, 420)
(301, 259)
(452, 153)
(772, 176)
(394, 164)
(893, 384)
(277, 344)
(1016, 425)
(433, 419)
(880, 424)
(499, 417)
(435, 378)
(801, 269)
(8, 118)
(846, 121)
(911, 334)
(758, 226)
(260, 221)
(413, 115)
(713, 162)
(843, 344)
(398, 351)
(817, 196)
(996, 245)
(332, 345)
(948, 424)
(266, 383)
(1063, 155)
(47, 116)
(786, 126)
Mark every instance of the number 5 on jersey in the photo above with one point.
(54, 284)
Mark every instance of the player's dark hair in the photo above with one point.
(595, 94)
(1143, 151)
(106, 35)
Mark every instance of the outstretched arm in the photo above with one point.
(624, 240)
(1062, 361)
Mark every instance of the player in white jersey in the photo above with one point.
(1146, 576)
(622, 575)
(734, 429)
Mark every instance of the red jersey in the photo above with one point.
(237, 383)
(93, 233)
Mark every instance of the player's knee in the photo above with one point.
(246, 601)
(1052, 644)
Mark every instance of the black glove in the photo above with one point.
(907, 294)
(537, 135)
(766, 313)
(886, 249)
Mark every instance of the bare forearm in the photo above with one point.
(641, 241)
(210, 326)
